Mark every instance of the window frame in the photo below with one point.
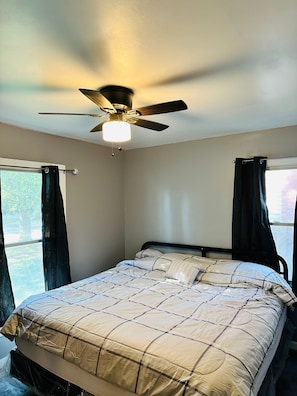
(9, 164)
(281, 164)
(33, 166)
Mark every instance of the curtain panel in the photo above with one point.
(252, 238)
(294, 279)
(55, 241)
(7, 304)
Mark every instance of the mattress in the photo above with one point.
(69, 371)
(98, 387)
(168, 325)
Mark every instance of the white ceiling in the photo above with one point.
(234, 62)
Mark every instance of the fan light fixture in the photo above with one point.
(116, 102)
(116, 131)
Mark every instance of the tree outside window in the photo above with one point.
(21, 212)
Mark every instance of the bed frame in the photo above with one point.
(42, 380)
(207, 251)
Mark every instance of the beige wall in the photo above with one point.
(183, 192)
(94, 198)
(179, 192)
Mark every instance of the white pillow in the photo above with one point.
(182, 271)
(236, 273)
(148, 253)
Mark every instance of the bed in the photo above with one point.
(174, 320)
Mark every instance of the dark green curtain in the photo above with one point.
(7, 304)
(294, 279)
(252, 238)
(55, 242)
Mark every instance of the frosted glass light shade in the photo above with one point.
(116, 131)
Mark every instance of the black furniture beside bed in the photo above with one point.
(150, 274)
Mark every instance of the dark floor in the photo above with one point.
(287, 385)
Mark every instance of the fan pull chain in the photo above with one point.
(112, 151)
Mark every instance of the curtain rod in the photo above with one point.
(38, 169)
(251, 160)
(274, 163)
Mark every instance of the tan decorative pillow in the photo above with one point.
(182, 271)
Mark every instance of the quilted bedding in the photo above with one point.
(152, 327)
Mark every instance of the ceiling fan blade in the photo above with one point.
(98, 99)
(210, 71)
(166, 107)
(156, 126)
(98, 128)
(80, 114)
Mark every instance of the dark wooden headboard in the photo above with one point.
(204, 251)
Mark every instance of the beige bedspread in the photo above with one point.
(153, 335)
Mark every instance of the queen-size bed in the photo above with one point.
(168, 322)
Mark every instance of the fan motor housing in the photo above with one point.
(118, 95)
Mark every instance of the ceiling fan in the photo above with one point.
(116, 102)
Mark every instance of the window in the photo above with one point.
(281, 192)
(21, 183)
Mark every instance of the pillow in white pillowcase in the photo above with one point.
(182, 271)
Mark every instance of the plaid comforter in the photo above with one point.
(157, 335)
